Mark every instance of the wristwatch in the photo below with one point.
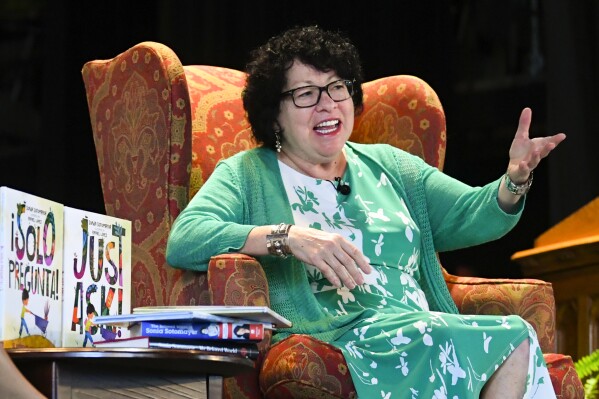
(518, 189)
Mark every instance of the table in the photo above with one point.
(126, 372)
(567, 255)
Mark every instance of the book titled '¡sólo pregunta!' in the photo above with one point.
(31, 249)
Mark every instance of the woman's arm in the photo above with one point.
(214, 222)
(463, 216)
(217, 221)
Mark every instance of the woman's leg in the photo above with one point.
(509, 381)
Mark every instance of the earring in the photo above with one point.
(278, 140)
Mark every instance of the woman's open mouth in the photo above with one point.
(328, 127)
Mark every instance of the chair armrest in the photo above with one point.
(239, 280)
(531, 299)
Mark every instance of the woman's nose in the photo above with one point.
(325, 102)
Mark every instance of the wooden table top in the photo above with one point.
(141, 358)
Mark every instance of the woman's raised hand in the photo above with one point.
(339, 261)
(526, 153)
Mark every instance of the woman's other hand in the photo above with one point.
(526, 153)
(339, 261)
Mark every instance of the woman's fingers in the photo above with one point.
(524, 124)
(541, 148)
(347, 266)
(339, 261)
(360, 260)
(525, 153)
(340, 273)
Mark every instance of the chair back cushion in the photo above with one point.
(140, 114)
(403, 111)
(219, 127)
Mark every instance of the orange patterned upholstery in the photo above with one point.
(563, 375)
(531, 299)
(160, 128)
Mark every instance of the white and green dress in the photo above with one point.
(405, 350)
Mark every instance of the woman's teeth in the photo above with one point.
(327, 127)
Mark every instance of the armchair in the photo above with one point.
(160, 128)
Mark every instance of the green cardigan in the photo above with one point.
(246, 191)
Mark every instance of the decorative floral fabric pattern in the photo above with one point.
(433, 355)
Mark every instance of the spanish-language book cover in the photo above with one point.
(97, 276)
(31, 245)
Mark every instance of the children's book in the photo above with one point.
(31, 245)
(131, 319)
(97, 276)
(257, 314)
(206, 330)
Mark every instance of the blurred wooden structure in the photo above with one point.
(567, 255)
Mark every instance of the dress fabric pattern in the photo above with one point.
(404, 350)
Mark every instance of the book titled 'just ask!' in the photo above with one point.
(97, 276)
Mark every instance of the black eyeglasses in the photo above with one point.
(309, 96)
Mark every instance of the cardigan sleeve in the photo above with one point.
(461, 215)
(214, 222)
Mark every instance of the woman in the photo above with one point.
(347, 233)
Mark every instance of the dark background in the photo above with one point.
(486, 59)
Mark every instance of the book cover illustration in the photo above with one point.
(186, 330)
(97, 276)
(31, 244)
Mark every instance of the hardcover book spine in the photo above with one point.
(97, 276)
(200, 330)
(249, 350)
(31, 270)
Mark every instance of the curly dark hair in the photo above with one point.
(324, 50)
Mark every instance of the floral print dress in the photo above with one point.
(405, 350)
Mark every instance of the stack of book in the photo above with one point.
(231, 330)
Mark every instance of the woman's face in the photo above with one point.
(315, 134)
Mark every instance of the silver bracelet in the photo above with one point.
(277, 242)
(518, 189)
